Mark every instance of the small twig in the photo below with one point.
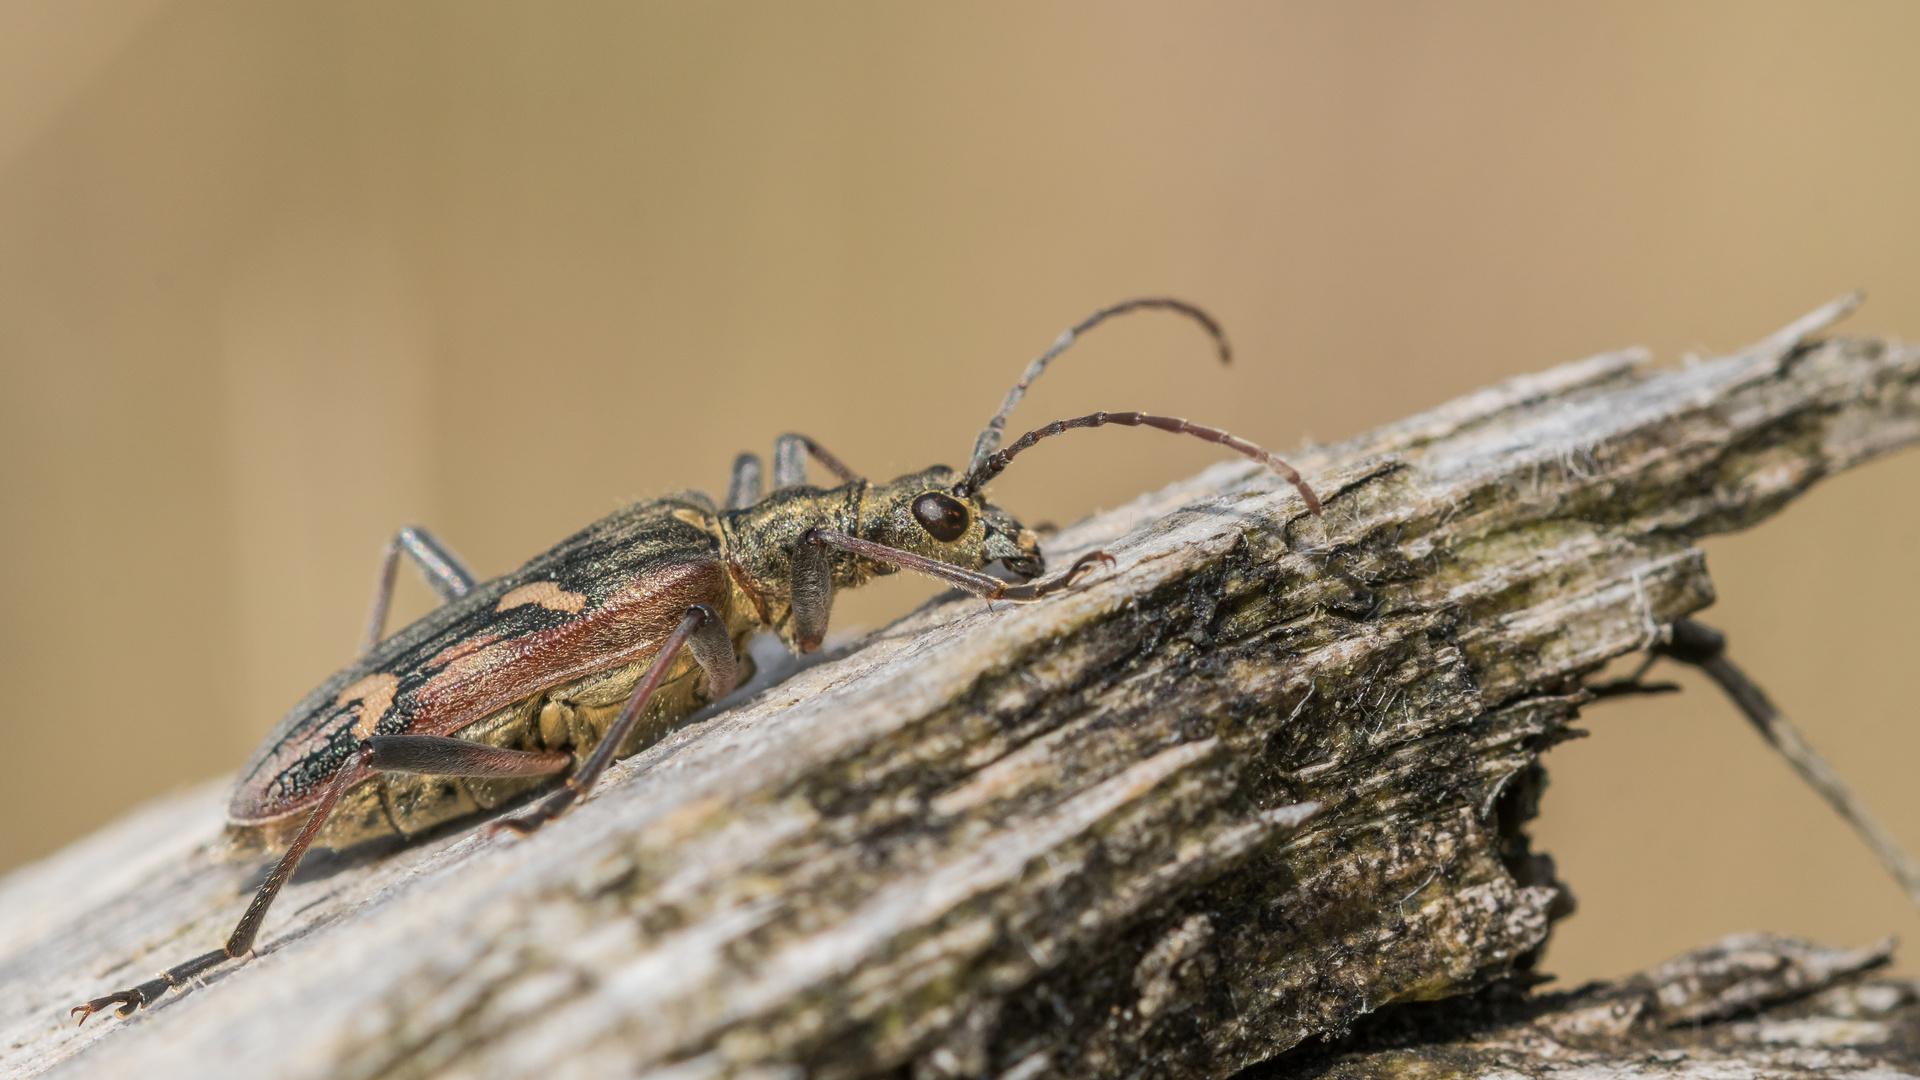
(1632, 684)
(1703, 647)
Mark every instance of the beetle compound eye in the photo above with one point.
(944, 518)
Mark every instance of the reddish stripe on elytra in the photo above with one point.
(624, 628)
(486, 672)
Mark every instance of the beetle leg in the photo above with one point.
(984, 586)
(790, 461)
(1034, 590)
(151, 990)
(712, 649)
(811, 595)
(433, 755)
(354, 771)
(437, 755)
(744, 491)
(442, 569)
(704, 634)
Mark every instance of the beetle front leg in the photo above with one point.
(811, 597)
(984, 586)
(444, 572)
(702, 633)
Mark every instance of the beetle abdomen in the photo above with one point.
(574, 628)
(571, 717)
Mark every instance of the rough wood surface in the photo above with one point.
(1266, 776)
(1746, 1007)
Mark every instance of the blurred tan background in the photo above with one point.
(275, 278)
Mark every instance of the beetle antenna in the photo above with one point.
(997, 462)
(989, 439)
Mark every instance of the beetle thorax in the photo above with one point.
(919, 513)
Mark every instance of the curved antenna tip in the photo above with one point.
(990, 436)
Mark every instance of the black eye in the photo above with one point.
(944, 519)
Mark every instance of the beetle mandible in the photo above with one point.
(590, 651)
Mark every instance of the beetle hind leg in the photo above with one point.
(430, 754)
(129, 1001)
(241, 940)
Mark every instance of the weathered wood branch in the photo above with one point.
(1266, 776)
(1749, 1005)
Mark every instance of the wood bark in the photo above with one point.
(1265, 776)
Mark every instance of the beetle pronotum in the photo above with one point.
(590, 651)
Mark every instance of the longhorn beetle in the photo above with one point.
(589, 651)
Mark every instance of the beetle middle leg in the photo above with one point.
(702, 633)
(790, 452)
(744, 489)
(443, 570)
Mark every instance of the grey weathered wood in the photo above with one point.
(1267, 775)
(1749, 1005)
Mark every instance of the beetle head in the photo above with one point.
(926, 513)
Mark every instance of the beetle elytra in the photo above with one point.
(599, 646)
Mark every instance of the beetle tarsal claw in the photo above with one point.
(528, 823)
(511, 825)
(128, 1000)
(1087, 562)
